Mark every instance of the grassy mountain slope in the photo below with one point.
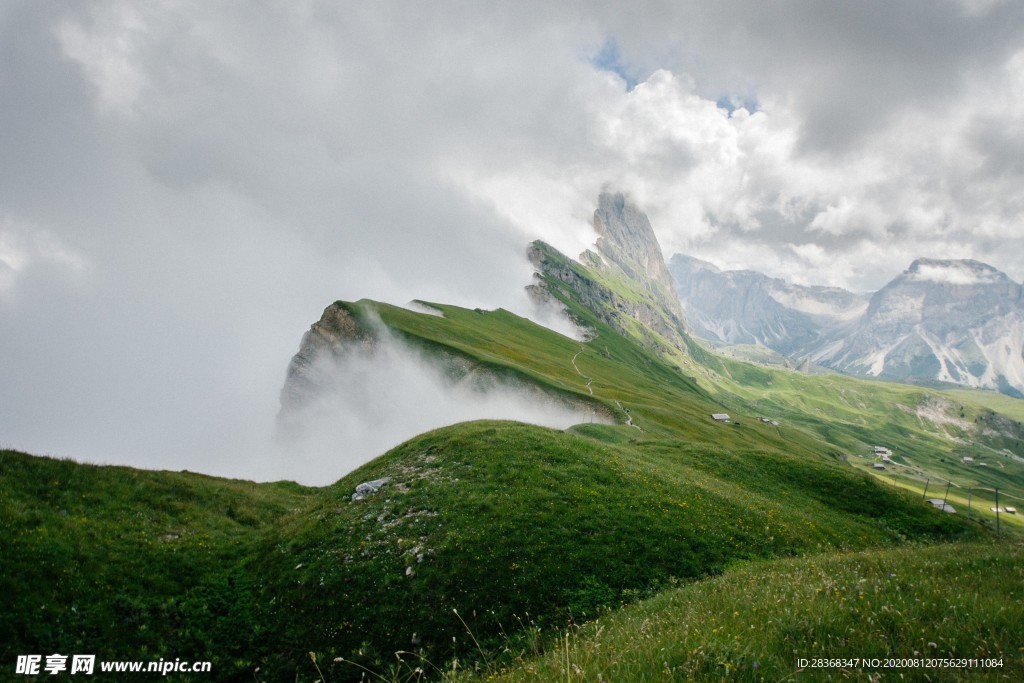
(937, 437)
(904, 607)
(507, 523)
(501, 520)
(600, 291)
(931, 431)
(125, 563)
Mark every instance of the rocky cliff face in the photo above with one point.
(626, 238)
(657, 330)
(957, 321)
(625, 282)
(940, 320)
(747, 307)
(339, 332)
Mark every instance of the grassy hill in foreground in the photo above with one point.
(502, 520)
(909, 608)
(510, 524)
(125, 563)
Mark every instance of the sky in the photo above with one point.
(184, 186)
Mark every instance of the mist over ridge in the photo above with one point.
(355, 389)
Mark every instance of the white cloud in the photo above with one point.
(110, 55)
(24, 249)
(221, 171)
(953, 274)
(848, 216)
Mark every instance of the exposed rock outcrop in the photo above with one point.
(369, 487)
(626, 238)
(337, 332)
(625, 282)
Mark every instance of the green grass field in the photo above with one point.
(127, 563)
(490, 539)
(935, 613)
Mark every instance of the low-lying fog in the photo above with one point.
(367, 401)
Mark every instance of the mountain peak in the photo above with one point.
(959, 321)
(692, 264)
(625, 282)
(625, 237)
(947, 320)
(954, 272)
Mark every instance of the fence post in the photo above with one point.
(925, 494)
(946, 496)
(969, 492)
(997, 514)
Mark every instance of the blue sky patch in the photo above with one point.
(731, 103)
(609, 59)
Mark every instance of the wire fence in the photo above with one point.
(978, 503)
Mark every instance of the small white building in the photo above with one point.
(878, 466)
(945, 507)
(968, 460)
(720, 417)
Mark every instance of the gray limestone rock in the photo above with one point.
(368, 487)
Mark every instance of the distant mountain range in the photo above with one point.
(956, 321)
(747, 307)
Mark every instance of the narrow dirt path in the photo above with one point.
(629, 418)
(590, 381)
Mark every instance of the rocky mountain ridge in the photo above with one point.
(626, 238)
(955, 321)
(624, 280)
(349, 351)
(747, 307)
